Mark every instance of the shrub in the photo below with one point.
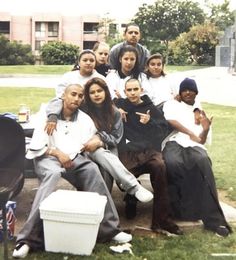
(15, 53)
(59, 53)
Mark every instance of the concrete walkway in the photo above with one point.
(216, 85)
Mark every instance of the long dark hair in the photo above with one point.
(103, 117)
(135, 71)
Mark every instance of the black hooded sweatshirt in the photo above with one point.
(138, 136)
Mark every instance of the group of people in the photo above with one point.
(116, 116)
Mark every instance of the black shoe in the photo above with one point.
(130, 206)
(168, 226)
(222, 231)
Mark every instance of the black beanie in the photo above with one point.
(189, 84)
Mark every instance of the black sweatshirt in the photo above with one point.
(138, 136)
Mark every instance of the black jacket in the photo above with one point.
(138, 136)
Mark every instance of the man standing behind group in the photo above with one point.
(132, 36)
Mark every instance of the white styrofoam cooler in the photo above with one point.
(71, 220)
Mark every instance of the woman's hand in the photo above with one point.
(50, 127)
(93, 144)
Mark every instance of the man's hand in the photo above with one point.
(63, 158)
(50, 127)
(123, 114)
(144, 118)
(117, 93)
(205, 121)
(93, 144)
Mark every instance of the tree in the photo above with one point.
(196, 46)
(166, 19)
(221, 15)
(179, 53)
(59, 53)
(108, 29)
(15, 53)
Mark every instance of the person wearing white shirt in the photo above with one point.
(191, 180)
(61, 155)
(159, 85)
(82, 72)
(127, 67)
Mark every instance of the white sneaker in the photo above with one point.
(21, 251)
(143, 194)
(122, 237)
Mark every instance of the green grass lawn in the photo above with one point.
(35, 69)
(60, 69)
(196, 244)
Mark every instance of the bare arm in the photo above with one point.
(205, 123)
(179, 127)
(63, 158)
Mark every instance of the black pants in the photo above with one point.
(192, 186)
(150, 161)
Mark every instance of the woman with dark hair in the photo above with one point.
(157, 82)
(132, 37)
(81, 73)
(127, 67)
(102, 147)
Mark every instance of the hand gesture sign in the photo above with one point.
(144, 118)
(205, 121)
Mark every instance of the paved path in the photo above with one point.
(216, 85)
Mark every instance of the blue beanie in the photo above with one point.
(189, 84)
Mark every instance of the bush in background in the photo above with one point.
(59, 53)
(15, 53)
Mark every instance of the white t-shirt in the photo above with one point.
(117, 84)
(68, 138)
(74, 77)
(159, 89)
(184, 114)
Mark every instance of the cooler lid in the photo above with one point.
(81, 202)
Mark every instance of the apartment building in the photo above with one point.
(40, 28)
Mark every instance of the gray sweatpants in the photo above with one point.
(84, 176)
(110, 162)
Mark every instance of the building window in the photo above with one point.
(90, 28)
(88, 44)
(39, 44)
(40, 29)
(53, 28)
(5, 27)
